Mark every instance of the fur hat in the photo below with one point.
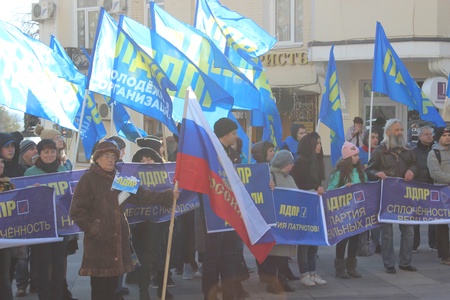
(105, 147)
(117, 140)
(45, 144)
(146, 152)
(281, 159)
(349, 149)
(46, 133)
(26, 145)
(224, 126)
(440, 131)
(150, 141)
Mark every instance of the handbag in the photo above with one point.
(366, 245)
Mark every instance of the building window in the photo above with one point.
(289, 21)
(87, 19)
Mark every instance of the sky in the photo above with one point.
(12, 7)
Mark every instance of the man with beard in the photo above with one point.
(391, 158)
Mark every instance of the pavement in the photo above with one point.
(431, 281)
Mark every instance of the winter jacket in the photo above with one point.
(334, 179)
(12, 167)
(440, 172)
(95, 209)
(308, 169)
(421, 153)
(34, 170)
(281, 179)
(393, 162)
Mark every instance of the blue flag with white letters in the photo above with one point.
(121, 70)
(205, 54)
(36, 80)
(213, 99)
(330, 109)
(92, 128)
(390, 77)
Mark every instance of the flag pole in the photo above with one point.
(172, 218)
(77, 143)
(249, 134)
(369, 139)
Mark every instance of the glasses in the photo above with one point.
(109, 156)
(57, 138)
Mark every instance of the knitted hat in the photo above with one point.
(46, 133)
(26, 145)
(105, 147)
(358, 120)
(150, 141)
(281, 159)
(117, 140)
(440, 131)
(46, 144)
(146, 152)
(349, 149)
(224, 126)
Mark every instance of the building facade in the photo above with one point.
(418, 30)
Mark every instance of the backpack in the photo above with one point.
(366, 245)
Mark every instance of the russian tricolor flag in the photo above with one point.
(204, 167)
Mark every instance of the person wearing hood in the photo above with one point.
(308, 173)
(438, 162)
(6, 253)
(10, 153)
(96, 209)
(298, 131)
(263, 151)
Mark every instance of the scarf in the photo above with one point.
(47, 168)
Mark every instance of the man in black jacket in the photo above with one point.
(391, 158)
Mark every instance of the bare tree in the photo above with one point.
(10, 122)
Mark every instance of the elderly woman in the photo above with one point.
(96, 210)
(49, 256)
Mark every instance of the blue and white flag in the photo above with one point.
(390, 77)
(213, 99)
(92, 128)
(120, 69)
(205, 54)
(123, 123)
(231, 31)
(330, 109)
(36, 80)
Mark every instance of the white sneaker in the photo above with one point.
(199, 272)
(307, 281)
(188, 272)
(318, 280)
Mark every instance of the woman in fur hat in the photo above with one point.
(96, 210)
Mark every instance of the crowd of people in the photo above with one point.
(217, 257)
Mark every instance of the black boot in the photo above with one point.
(351, 267)
(143, 276)
(339, 265)
(159, 278)
(284, 284)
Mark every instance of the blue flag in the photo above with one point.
(448, 86)
(229, 30)
(214, 100)
(37, 80)
(92, 128)
(330, 109)
(390, 77)
(120, 69)
(122, 122)
(205, 54)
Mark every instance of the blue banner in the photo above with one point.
(28, 213)
(300, 219)
(351, 210)
(414, 202)
(154, 176)
(256, 178)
